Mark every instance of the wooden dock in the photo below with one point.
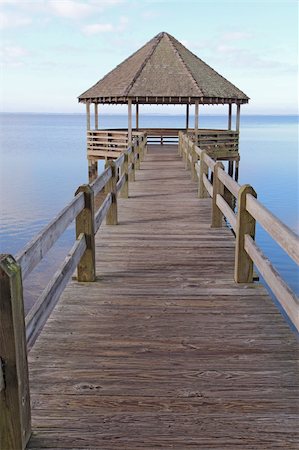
(164, 349)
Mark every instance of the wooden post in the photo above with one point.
(194, 160)
(137, 116)
(236, 171)
(187, 117)
(111, 217)
(238, 117)
(124, 193)
(245, 225)
(230, 116)
(88, 115)
(218, 188)
(132, 161)
(203, 169)
(180, 144)
(86, 269)
(129, 121)
(196, 121)
(96, 117)
(137, 165)
(15, 420)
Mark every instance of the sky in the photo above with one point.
(53, 50)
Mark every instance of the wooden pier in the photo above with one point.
(163, 349)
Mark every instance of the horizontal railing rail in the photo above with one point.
(240, 207)
(17, 332)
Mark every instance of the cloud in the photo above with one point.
(10, 20)
(70, 9)
(236, 36)
(97, 28)
(13, 55)
(75, 10)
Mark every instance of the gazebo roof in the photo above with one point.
(163, 71)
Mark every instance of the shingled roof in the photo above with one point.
(163, 71)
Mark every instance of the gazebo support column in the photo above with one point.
(238, 117)
(237, 129)
(88, 116)
(230, 163)
(137, 116)
(130, 121)
(196, 121)
(229, 116)
(96, 117)
(187, 117)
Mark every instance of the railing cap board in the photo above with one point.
(281, 233)
(36, 249)
(99, 183)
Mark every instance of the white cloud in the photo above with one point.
(70, 9)
(97, 28)
(236, 36)
(12, 55)
(11, 20)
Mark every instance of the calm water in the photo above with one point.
(43, 161)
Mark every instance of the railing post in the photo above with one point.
(124, 193)
(193, 162)
(203, 169)
(218, 188)
(15, 419)
(180, 144)
(132, 172)
(86, 269)
(138, 154)
(111, 217)
(245, 225)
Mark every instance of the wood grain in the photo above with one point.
(164, 350)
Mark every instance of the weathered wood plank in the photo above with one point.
(36, 249)
(283, 293)
(44, 305)
(283, 235)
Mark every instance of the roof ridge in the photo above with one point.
(183, 62)
(215, 71)
(158, 38)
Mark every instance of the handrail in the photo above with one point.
(242, 220)
(282, 234)
(100, 182)
(36, 249)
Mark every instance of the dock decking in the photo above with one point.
(164, 350)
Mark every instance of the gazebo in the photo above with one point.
(163, 71)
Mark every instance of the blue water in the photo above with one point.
(43, 161)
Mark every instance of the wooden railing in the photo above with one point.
(225, 192)
(17, 333)
(107, 143)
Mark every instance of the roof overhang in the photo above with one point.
(119, 100)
